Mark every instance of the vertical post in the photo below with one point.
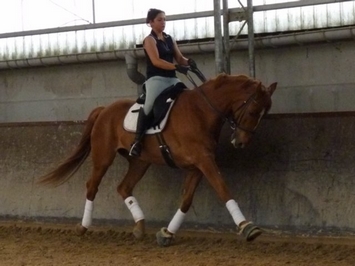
(93, 12)
(226, 42)
(218, 37)
(251, 39)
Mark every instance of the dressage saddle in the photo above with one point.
(162, 102)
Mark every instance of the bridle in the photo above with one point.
(232, 124)
(241, 109)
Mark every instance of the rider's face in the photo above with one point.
(158, 24)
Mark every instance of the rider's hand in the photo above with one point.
(182, 69)
(192, 63)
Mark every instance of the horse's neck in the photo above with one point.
(220, 100)
(206, 107)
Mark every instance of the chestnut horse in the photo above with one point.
(191, 132)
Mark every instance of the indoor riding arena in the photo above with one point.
(59, 60)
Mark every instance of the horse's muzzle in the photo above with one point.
(236, 142)
(237, 145)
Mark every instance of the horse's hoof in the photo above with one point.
(139, 229)
(80, 230)
(164, 238)
(250, 231)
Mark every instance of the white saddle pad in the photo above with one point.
(130, 120)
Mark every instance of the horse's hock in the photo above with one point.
(287, 177)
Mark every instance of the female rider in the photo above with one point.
(160, 50)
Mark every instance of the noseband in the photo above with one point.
(232, 124)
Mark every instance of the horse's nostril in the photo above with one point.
(237, 144)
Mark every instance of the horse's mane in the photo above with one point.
(220, 79)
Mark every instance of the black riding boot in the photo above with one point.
(142, 126)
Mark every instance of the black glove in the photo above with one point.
(182, 69)
(192, 63)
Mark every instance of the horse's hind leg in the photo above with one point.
(102, 159)
(136, 171)
(165, 235)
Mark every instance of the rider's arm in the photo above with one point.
(152, 51)
(180, 59)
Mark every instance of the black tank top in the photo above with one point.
(166, 52)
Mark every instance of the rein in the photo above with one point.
(232, 124)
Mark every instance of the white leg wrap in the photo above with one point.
(133, 206)
(177, 220)
(87, 218)
(234, 210)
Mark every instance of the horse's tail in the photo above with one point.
(71, 165)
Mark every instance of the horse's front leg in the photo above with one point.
(210, 169)
(134, 174)
(165, 235)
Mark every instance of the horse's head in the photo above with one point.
(247, 115)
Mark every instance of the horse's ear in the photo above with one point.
(272, 88)
(259, 87)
